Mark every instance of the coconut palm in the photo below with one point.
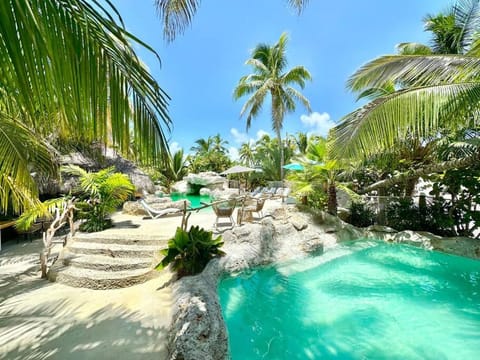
(68, 69)
(440, 91)
(219, 144)
(247, 154)
(177, 15)
(270, 78)
(204, 146)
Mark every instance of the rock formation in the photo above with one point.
(198, 330)
(193, 183)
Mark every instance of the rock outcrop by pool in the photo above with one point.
(198, 330)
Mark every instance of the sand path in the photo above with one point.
(43, 320)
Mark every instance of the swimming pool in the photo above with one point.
(195, 200)
(364, 300)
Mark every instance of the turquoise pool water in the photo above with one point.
(366, 300)
(195, 200)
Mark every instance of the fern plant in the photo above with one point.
(190, 251)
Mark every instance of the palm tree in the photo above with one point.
(302, 142)
(204, 146)
(441, 91)
(177, 15)
(270, 77)
(219, 144)
(247, 154)
(69, 69)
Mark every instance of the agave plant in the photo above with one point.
(190, 251)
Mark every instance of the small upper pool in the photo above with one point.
(195, 200)
(363, 300)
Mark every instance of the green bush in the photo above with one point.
(361, 215)
(403, 214)
(190, 251)
(101, 193)
(317, 199)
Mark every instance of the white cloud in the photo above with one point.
(233, 153)
(318, 123)
(260, 134)
(174, 147)
(238, 136)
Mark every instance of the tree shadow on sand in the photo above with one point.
(47, 331)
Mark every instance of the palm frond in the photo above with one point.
(299, 5)
(411, 48)
(467, 16)
(176, 15)
(297, 75)
(20, 151)
(418, 112)
(73, 59)
(44, 209)
(415, 70)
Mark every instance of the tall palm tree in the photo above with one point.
(177, 15)
(69, 68)
(442, 92)
(271, 78)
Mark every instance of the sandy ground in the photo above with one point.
(43, 320)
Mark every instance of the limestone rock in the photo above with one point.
(298, 222)
(205, 191)
(413, 238)
(462, 246)
(180, 187)
(198, 330)
(210, 180)
(381, 228)
(133, 208)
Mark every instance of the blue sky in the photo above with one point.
(331, 39)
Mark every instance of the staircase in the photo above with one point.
(105, 261)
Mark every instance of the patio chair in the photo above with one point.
(224, 209)
(155, 214)
(256, 206)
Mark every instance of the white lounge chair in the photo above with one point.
(155, 214)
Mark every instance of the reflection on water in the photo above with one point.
(365, 300)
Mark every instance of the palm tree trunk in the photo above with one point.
(410, 186)
(332, 198)
(279, 137)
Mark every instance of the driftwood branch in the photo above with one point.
(62, 216)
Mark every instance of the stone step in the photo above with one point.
(106, 263)
(114, 250)
(98, 279)
(121, 239)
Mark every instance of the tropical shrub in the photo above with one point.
(190, 251)
(403, 214)
(361, 215)
(101, 193)
(456, 213)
